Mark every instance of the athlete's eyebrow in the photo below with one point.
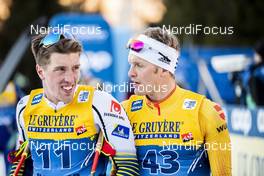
(59, 68)
(77, 65)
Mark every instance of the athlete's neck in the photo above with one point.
(52, 100)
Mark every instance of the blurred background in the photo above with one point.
(227, 67)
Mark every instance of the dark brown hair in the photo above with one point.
(42, 54)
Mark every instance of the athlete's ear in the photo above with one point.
(40, 72)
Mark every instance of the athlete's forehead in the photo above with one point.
(132, 59)
(58, 59)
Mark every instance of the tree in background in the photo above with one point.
(246, 16)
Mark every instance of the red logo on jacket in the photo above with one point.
(80, 130)
(187, 137)
(219, 111)
(115, 107)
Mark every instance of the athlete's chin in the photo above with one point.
(140, 93)
(66, 98)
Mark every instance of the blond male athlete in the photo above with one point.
(177, 132)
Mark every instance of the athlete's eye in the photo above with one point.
(139, 65)
(76, 68)
(60, 69)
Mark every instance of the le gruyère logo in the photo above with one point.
(159, 129)
(51, 123)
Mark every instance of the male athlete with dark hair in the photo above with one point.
(61, 122)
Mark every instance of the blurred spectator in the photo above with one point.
(255, 81)
(8, 100)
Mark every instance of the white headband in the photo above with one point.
(157, 53)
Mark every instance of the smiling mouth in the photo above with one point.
(67, 89)
(135, 82)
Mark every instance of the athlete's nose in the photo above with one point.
(69, 77)
(132, 72)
